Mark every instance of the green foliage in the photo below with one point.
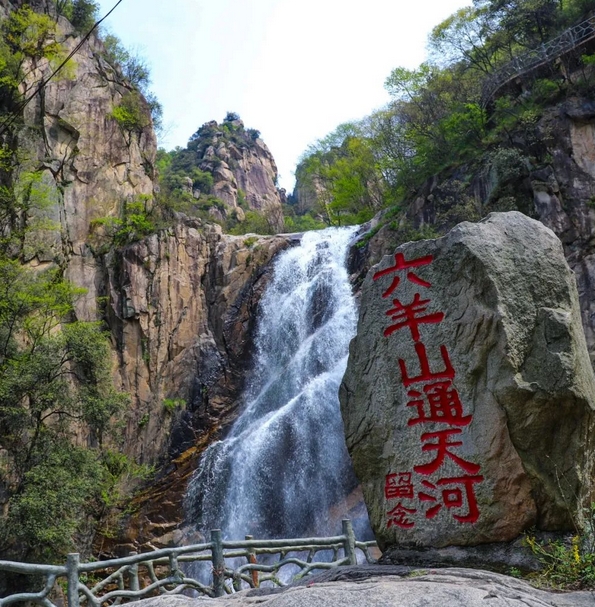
(345, 178)
(172, 404)
(136, 70)
(132, 114)
(303, 223)
(24, 35)
(55, 377)
(46, 513)
(81, 13)
(568, 565)
(436, 122)
(186, 176)
(254, 223)
(424, 232)
(30, 34)
(138, 220)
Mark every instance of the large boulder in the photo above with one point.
(469, 398)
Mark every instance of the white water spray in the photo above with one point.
(284, 464)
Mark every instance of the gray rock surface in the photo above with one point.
(395, 587)
(498, 435)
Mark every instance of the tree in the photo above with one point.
(342, 170)
(463, 37)
(54, 379)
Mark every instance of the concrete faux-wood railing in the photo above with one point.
(109, 582)
(569, 40)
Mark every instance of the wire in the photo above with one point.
(16, 114)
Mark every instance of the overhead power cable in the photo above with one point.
(16, 113)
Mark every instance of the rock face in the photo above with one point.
(182, 308)
(469, 400)
(558, 192)
(85, 163)
(182, 311)
(393, 587)
(243, 170)
(180, 304)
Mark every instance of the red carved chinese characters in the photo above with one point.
(441, 447)
(433, 401)
(453, 497)
(398, 485)
(411, 315)
(399, 517)
(440, 403)
(401, 264)
(426, 374)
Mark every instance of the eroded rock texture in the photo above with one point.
(243, 169)
(86, 164)
(553, 182)
(182, 309)
(469, 398)
(393, 587)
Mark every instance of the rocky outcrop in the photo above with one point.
(243, 170)
(548, 173)
(468, 399)
(180, 304)
(81, 162)
(308, 191)
(182, 310)
(393, 587)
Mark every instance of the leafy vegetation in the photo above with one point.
(187, 177)
(567, 564)
(61, 464)
(131, 114)
(81, 13)
(139, 219)
(54, 379)
(436, 123)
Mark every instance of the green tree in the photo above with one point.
(54, 381)
(81, 13)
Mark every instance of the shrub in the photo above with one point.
(171, 404)
(566, 564)
(131, 113)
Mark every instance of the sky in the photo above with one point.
(293, 69)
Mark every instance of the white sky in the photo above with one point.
(293, 69)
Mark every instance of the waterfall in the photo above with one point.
(284, 466)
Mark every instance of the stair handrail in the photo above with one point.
(533, 58)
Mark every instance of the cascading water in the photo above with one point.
(284, 464)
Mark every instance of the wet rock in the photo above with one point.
(469, 415)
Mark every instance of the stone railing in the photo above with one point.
(233, 566)
(526, 62)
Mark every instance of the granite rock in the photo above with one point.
(494, 431)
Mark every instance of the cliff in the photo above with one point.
(558, 192)
(226, 170)
(180, 304)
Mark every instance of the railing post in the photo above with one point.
(72, 576)
(133, 575)
(218, 562)
(252, 561)
(349, 541)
